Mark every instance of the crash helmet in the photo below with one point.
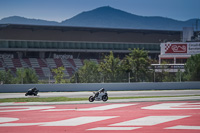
(102, 90)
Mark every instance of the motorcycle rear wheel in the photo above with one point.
(91, 99)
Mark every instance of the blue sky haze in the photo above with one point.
(60, 10)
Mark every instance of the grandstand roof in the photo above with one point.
(67, 33)
(61, 28)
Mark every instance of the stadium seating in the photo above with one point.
(78, 63)
(43, 67)
(42, 63)
(8, 62)
(47, 72)
(39, 72)
(17, 62)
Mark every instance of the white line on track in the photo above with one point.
(173, 106)
(24, 108)
(68, 122)
(7, 119)
(78, 121)
(149, 121)
(114, 128)
(99, 108)
(184, 127)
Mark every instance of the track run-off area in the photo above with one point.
(137, 117)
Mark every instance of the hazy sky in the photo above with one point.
(60, 10)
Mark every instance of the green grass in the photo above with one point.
(38, 99)
(149, 97)
(63, 99)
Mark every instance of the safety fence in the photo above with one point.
(8, 88)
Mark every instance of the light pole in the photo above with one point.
(76, 75)
(49, 75)
(22, 73)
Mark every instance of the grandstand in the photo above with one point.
(43, 48)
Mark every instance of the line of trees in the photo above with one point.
(134, 67)
(23, 76)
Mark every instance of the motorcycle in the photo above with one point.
(99, 95)
(32, 91)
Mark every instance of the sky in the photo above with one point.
(60, 10)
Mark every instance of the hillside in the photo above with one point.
(22, 20)
(108, 17)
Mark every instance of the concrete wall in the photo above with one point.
(5, 88)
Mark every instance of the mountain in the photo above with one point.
(22, 20)
(114, 18)
(108, 17)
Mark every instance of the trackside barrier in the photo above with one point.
(7, 88)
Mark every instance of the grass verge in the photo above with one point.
(64, 99)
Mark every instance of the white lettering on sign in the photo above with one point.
(173, 106)
(189, 48)
(194, 48)
(62, 56)
(6, 56)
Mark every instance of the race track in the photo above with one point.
(137, 117)
(110, 93)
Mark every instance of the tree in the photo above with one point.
(30, 76)
(110, 68)
(6, 77)
(138, 63)
(20, 75)
(26, 76)
(179, 76)
(88, 73)
(163, 75)
(192, 68)
(59, 75)
(127, 68)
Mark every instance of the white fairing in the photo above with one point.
(100, 96)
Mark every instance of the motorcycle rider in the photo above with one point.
(33, 90)
(100, 91)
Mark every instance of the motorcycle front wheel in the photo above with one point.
(105, 98)
(91, 99)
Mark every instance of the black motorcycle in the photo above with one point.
(32, 91)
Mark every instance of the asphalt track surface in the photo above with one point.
(110, 93)
(137, 117)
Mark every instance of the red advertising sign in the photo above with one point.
(175, 48)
